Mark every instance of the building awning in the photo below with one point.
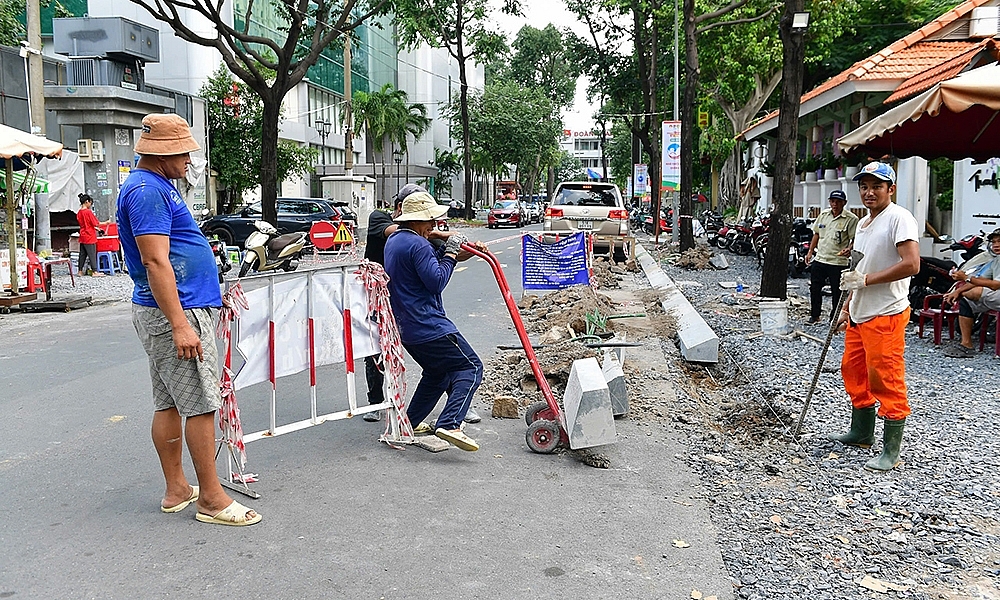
(41, 185)
(958, 118)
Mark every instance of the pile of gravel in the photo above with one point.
(803, 518)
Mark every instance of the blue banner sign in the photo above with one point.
(554, 266)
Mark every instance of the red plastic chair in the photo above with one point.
(937, 316)
(35, 268)
(984, 327)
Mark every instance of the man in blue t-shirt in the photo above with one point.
(418, 273)
(174, 309)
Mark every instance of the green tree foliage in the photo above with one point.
(511, 124)
(538, 59)
(568, 167)
(235, 119)
(465, 30)
(388, 119)
(12, 19)
(449, 164)
(270, 66)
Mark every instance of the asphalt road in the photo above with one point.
(344, 516)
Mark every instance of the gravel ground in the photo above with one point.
(804, 519)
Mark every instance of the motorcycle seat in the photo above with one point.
(275, 245)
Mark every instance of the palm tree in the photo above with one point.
(415, 123)
(376, 113)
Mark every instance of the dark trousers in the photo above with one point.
(87, 252)
(820, 275)
(376, 380)
(449, 365)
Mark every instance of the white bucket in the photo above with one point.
(774, 317)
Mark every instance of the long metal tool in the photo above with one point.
(855, 259)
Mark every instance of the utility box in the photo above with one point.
(359, 191)
(106, 37)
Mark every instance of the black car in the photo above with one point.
(294, 214)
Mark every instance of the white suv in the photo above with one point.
(592, 207)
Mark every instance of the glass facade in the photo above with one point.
(373, 59)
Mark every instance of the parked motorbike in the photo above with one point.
(713, 222)
(222, 263)
(666, 224)
(268, 251)
(935, 273)
(798, 247)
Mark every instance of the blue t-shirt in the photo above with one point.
(417, 276)
(149, 204)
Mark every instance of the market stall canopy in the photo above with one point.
(958, 118)
(41, 186)
(15, 143)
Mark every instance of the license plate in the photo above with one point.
(588, 225)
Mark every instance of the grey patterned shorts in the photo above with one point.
(192, 386)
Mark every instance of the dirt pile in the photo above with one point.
(568, 307)
(509, 375)
(698, 258)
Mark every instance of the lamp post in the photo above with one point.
(323, 129)
(398, 157)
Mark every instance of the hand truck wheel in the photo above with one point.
(542, 436)
(534, 410)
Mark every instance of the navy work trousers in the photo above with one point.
(449, 365)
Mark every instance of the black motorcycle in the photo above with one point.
(712, 222)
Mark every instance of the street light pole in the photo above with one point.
(398, 157)
(323, 129)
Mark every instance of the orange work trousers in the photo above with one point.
(873, 366)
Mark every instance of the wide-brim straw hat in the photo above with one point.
(421, 206)
(165, 135)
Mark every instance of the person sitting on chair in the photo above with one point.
(975, 294)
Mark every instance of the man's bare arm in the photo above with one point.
(909, 252)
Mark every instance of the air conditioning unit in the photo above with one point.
(985, 22)
(83, 149)
(97, 151)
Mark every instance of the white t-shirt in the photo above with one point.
(877, 240)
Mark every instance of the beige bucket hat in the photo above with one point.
(421, 206)
(165, 135)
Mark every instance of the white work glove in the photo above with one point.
(852, 280)
(453, 245)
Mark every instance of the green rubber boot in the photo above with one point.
(892, 439)
(862, 433)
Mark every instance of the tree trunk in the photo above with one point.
(729, 180)
(550, 182)
(688, 109)
(774, 278)
(269, 158)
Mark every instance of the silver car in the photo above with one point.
(592, 207)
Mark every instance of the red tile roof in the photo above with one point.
(902, 59)
(926, 79)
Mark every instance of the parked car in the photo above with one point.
(593, 207)
(534, 212)
(294, 214)
(506, 212)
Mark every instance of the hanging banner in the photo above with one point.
(554, 266)
(671, 156)
(641, 180)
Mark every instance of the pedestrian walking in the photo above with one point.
(829, 252)
(875, 317)
(174, 310)
(418, 274)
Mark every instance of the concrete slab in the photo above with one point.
(589, 417)
(698, 342)
(615, 378)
